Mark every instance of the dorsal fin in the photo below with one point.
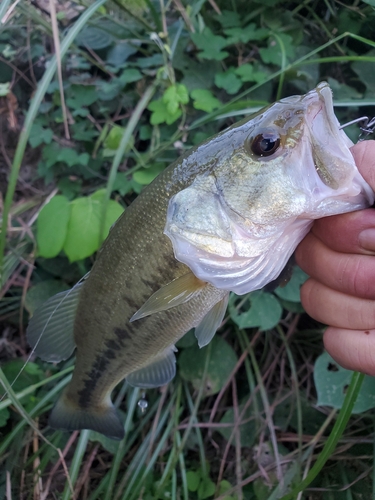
(158, 373)
(173, 294)
(211, 322)
(50, 330)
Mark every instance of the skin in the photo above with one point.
(338, 254)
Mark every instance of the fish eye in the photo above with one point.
(265, 144)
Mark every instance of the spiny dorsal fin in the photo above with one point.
(211, 322)
(50, 330)
(158, 373)
(175, 293)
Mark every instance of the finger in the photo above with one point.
(337, 309)
(364, 156)
(351, 274)
(352, 349)
(348, 233)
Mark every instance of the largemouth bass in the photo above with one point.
(225, 217)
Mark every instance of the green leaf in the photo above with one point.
(146, 175)
(248, 73)
(174, 96)
(332, 381)
(82, 95)
(41, 292)
(264, 311)
(204, 100)
(210, 44)
(28, 374)
(247, 430)
(291, 291)
(52, 226)
(273, 54)
(222, 361)
(93, 37)
(113, 212)
(161, 114)
(39, 135)
(229, 18)
(82, 238)
(130, 75)
(244, 35)
(193, 480)
(206, 488)
(228, 81)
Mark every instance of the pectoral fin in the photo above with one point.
(50, 330)
(175, 293)
(158, 373)
(211, 322)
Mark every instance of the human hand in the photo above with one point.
(339, 256)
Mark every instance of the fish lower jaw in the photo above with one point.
(241, 274)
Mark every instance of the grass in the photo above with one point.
(261, 435)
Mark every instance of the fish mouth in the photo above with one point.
(321, 117)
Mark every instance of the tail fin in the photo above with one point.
(66, 415)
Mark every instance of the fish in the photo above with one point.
(225, 217)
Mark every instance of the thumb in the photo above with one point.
(364, 157)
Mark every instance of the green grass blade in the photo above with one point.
(334, 437)
(76, 463)
(3, 7)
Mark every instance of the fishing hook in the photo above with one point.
(367, 128)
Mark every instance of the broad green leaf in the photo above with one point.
(204, 100)
(40, 135)
(174, 96)
(206, 488)
(229, 18)
(130, 75)
(146, 175)
(160, 113)
(247, 430)
(248, 73)
(193, 480)
(273, 54)
(28, 374)
(113, 212)
(244, 35)
(83, 233)
(210, 44)
(4, 89)
(41, 292)
(332, 381)
(291, 291)
(93, 37)
(228, 81)
(222, 361)
(52, 225)
(82, 96)
(264, 311)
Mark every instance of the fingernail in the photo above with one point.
(367, 239)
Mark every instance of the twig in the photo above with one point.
(56, 41)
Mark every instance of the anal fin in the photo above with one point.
(50, 330)
(171, 295)
(211, 322)
(158, 373)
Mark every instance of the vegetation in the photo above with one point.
(97, 98)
